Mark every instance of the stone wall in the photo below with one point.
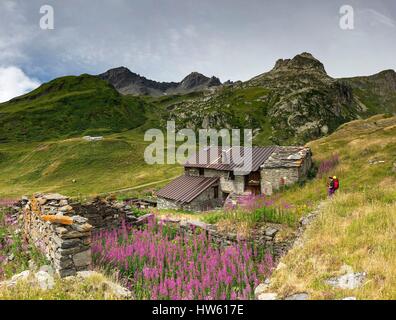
(226, 184)
(104, 213)
(61, 229)
(52, 225)
(266, 237)
(274, 178)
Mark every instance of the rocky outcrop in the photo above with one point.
(377, 92)
(127, 82)
(297, 101)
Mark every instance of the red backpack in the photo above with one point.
(336, 184)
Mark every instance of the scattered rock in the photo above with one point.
(375, 161)
(349, 298)
(118, 290)
(298, 296)
(268, 296)
(24, 275)
(270, 232)
(261, 288)
(111, 287)
(351, 280)
(280, 266)
(44, 280)
(47, 269)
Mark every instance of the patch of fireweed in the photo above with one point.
(256, 209)
(158, 262)
(328, 165)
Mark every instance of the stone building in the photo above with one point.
(214, 174)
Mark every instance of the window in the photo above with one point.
(216, 192)
(201, 171)
(231, 175)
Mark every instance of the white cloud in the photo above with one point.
(14, 82)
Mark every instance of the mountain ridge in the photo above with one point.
(128, 82)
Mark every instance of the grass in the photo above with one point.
(77, 167)
(94, 287)
(356, 227)
(13, 245)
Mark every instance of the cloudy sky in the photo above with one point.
(167, 39)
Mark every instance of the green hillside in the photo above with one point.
(67, 107)
(78, 167)
(356, 227)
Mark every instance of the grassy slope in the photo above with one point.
(102, 166)
(41, 147)
(358, 226)
(69, 106)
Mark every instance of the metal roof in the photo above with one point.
(227, 159)
(184, 189)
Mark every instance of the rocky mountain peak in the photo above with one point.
(302, 61)
(196, 79)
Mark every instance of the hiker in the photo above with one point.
(333, 185)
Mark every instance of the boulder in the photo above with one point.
(298, 296)
(271, 232)
(261, 288)
(44, 280)
(349, 298)
(351, 280)
(268, 296)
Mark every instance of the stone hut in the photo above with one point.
(285, 166)
(214, 174)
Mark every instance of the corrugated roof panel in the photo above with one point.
(223, 159)
(184, 189)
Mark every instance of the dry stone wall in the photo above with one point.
(61, 229)
(52, 225)
(266, 237)
(105, 213)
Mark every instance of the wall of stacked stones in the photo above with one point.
(61, 229)
(266, 238)
(104, 213)
(51, 224)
